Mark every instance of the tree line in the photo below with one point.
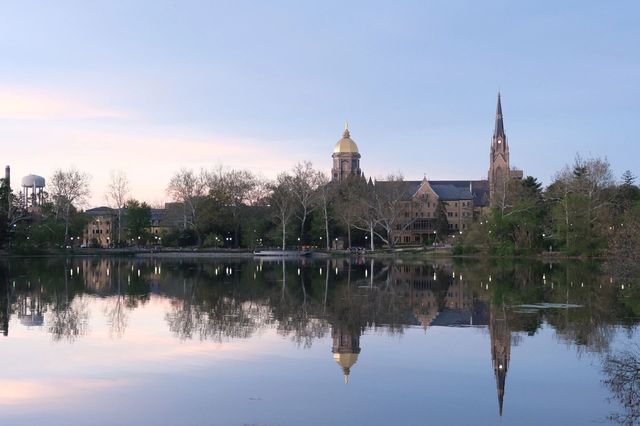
(584, 211)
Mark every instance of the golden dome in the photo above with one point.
(346, 361)
(346, 145)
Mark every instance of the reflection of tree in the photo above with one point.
(212, 311)
(622, 373)
(116, 314)
(69, 314)
(115, 310)
(68, 320)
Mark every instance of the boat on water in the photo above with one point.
(303, 252)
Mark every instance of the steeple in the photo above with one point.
(499, 169)
(500, 335)
(499, 128)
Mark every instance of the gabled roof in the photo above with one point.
(100, 211)
(451, 192)
(157, 214)
(446, 190)
(478, 188)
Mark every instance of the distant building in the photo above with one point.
(158, 225)
(98, 231)
(464, 200)
(101, 230)
(346, 158)
(499, 170)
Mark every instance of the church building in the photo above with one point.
(463, 200)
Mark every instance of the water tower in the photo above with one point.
(33, 190)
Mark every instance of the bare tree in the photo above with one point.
(116, 194)
(305, 181)
(282, 202)
(190, 188)
(389, 205)
(366, 214)
(234, 189)
(322, 200)
(69, 188)
(347, 197)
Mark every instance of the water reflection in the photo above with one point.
(622, 377)
(338, 299)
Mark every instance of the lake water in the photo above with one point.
(104, 341)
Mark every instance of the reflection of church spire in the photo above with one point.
(500, 349)
(346, 347)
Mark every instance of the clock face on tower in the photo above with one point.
(499, 141)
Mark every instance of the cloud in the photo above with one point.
(30, 391)
(32, 104)
(148, 154)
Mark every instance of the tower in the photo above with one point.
(500, 349)
(346, 347)
(346, 158)
(499, 171)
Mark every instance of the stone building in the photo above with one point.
(102, 223)
(500, 171)
(464, 200)
(346, 158)
(419, 208)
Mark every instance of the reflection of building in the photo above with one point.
(30, 309)
(97, 274)
(430, 303)
(346, 347)
(500, 348)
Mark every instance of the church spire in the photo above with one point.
(499, 129)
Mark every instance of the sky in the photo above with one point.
(153, 86)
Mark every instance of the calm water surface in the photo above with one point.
(359, 342)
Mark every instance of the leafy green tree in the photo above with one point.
(581, 197)
(441, 223)
(137, 219)
(5, 199)
(626, 194)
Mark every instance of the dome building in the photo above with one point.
(346, 158)
(346, 348)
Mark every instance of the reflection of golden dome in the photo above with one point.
(346, 361)
(346, 145)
